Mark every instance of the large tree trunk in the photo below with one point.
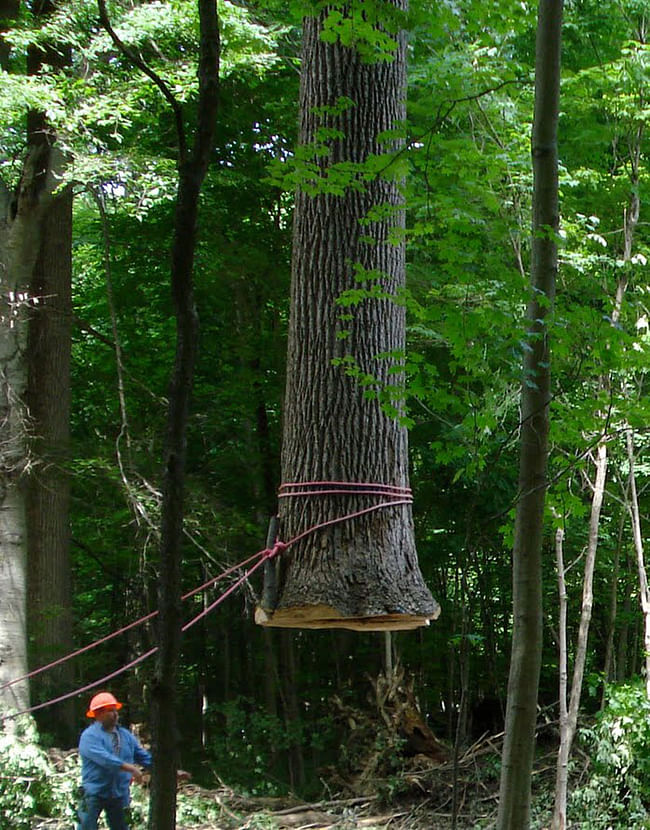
(21, 220)
(48, 490)
(361, 573)
(48, 398)
(13, 379)
(13, 460)
(519, 744)
(35, 270)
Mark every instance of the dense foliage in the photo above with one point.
(256, 703)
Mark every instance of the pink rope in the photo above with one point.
(261, 556)
(92, 685)
(327, 488)
(343, 492)
(375, 484)
(125, 628)
(103, 680)
(358, 513)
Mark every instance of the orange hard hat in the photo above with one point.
(101, 701)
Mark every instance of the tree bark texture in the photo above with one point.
(362, 572)
(21, 221)
(48, 488)
(49, 619)
(523, 680)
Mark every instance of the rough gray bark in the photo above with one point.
(363, 572)
(21, 222)
(523, 680)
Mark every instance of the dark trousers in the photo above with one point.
(91, 807)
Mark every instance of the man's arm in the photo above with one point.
(142, 757)
(135, 772)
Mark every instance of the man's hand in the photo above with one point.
(136, 773)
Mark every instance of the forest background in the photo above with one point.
(258, 703)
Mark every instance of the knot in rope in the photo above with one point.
(278, 547)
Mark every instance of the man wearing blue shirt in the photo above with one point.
(110, 757)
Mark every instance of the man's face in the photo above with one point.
(107, 716)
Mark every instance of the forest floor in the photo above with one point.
(393, 773)
(422, 795)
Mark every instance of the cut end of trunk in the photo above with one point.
(323, 616)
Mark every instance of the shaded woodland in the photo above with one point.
(263, 711)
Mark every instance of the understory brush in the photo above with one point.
(44, 784)
(617, 790)
(30, 784)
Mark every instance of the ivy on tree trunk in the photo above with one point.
(344, 365)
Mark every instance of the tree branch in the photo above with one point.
(137, 61)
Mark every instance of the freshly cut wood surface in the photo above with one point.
(323, 616)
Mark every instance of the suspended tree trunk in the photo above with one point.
(48, 399)
(361, 573)
(523, 680)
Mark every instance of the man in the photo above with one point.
(110, 757)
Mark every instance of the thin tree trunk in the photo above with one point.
(192, 170)
(295, 755)
(623, 644)
(192, 167)
(569, 716)
(519, 743)
(609, 664)
(562, 769)
(644, 589)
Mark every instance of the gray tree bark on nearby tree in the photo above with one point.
(361, 573)
(523, 680)
(25, 212)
